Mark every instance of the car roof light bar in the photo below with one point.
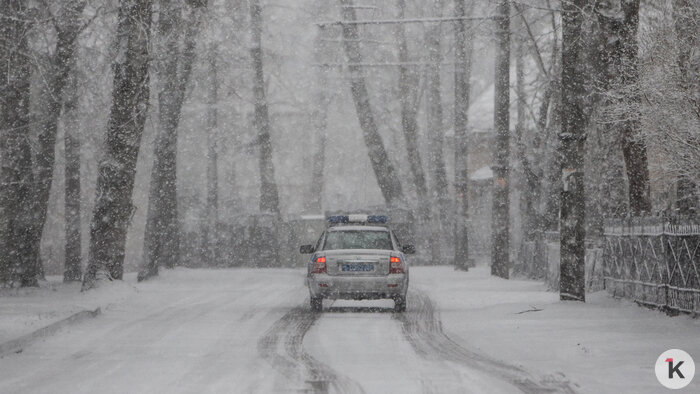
(357, 218)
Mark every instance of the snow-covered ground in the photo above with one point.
(244, 330)
(25, 310)
(603, 346)
(188, 331)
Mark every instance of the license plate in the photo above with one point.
(356, 267)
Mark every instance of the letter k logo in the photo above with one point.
(672, 369)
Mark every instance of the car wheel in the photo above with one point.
(400, 304)
(316, 304)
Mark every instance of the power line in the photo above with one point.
(387, 64)
(400, 21)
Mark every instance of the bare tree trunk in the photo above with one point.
(607, 194)
(524, 173)
(269, 195)
(633, 148)
(73, 267)
(530, 183)
(18, 227)
(67, 29)
(439, 196)
(572, 136)
(607, 67)
(387, 177)
(162, 238)
(115, 182)
(540, 167)
(212, 208)
(686, 14)
(409, 99)
(464, 42)
(520, 95)
(500, 256)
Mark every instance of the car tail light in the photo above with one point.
(395, 265)
(319, 265)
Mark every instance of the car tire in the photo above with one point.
(400, 304)
(316, 304)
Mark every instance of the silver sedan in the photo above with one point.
(357, 262)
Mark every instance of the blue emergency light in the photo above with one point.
(357, 218)
(377, 219)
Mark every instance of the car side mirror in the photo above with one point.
(409, 249)
(306, 249)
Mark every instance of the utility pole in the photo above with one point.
(500, 255)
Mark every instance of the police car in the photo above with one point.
(357, 257)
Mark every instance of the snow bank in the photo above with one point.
(26, 310)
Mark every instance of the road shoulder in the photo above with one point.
(604, 345)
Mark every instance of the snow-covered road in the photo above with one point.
(252, 331)
(189, 331)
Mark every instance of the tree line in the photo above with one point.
(154, 46)
(606, 99)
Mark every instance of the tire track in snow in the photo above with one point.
(282, 347)
(422, 328)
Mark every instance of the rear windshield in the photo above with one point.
(353, 239)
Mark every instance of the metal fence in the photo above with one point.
(540, 259)
(654, 261)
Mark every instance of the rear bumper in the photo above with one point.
(357, 287)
